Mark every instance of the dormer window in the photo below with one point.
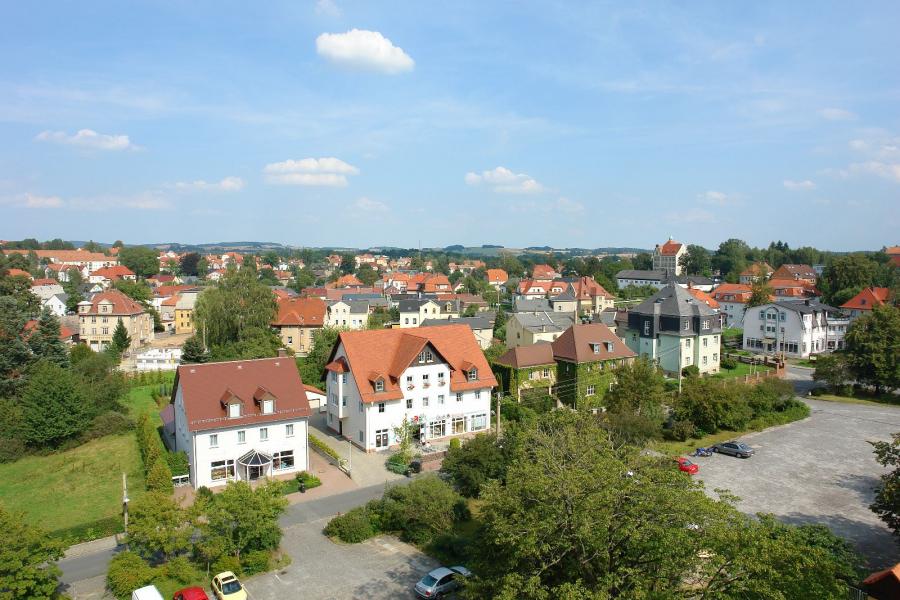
(268, 407)
(609, 346)
(473, 374)
(234, 410)
(595, 348)
(687, 325)
(379, 385)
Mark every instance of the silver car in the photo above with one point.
(440, 581)
(739, 449)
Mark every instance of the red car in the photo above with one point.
(687, 466)
(194, 593)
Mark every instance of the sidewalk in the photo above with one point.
(366, 469)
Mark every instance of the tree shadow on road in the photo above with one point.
(874, 541)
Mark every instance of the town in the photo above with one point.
(176, 421)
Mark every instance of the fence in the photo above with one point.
(181, 480)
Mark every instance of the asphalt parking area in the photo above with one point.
(380, 568)
(819, 470)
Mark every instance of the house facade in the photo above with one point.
(482, 326)
(732, 299)
(865, 301)
(669, 257)
(794, 328)
(525, 329)
(241, 420)
(436, 378)
(347, 314)
(99, 316)
(586, 355)
(527, 372)
(676, 330)
(639, 278)
(297, 320)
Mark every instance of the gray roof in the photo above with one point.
(638, 274)
(473, 322)
(566, 296)
(413, 305)
(523, 305)
(351, 297)
(62, 297)
(806, 307)
(356, 307)
(673, 300)
(693, 279)
(544, 322)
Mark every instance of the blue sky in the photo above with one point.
(371, 123)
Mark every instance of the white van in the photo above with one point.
(146, 593)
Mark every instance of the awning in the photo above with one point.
(255, 458)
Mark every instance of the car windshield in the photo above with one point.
(686, 462)
(230, 587)
(428, 581)
(743, 446)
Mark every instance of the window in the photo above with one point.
(478, 394)
(361, 437)
(409, 403)
(438, 428)
(381, 407)
(687, 343)
(289, 430)
(425, 402)
(479, 422)
(441, 399)
(242, 437)
(459, 396)
(268, 407)
(646, 327)
(762, 314)
(715, 356)
(334, 376)
(104, 330)
(214, 440)
(687, 325)
(221, 469)
(783, 316)
(590, 391)
(705, 324)
(360, 406)
(473, 374)
(458, 425)
(263, 434)
(705, 342)
(705, 360)
(422, 356)
(381, 438)
(546, 373)
(344, 401)
(343, 378)
(282, 461)
(441, 378)
(406, 321)
(425, 382)
(379, 385)
(290, 339)
(595, 348)
(409, 381)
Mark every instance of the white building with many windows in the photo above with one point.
(435, 377)
(796, 328)
(241, 420)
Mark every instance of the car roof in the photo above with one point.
(440, 572)
(226, 575)
(193, 593)
(461, 570)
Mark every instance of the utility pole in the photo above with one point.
(499, 395)
(125, 501)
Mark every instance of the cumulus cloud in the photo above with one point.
(327, 8)
(326, 172)
(370, 206)
(795, 186)
(836, 114)
(87, 138)
(717, 198)
(228, 184)
(881, 169)
(364, 50)
(504, 181)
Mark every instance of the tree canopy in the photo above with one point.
(27, 560)
(235, 309)
(140, 259)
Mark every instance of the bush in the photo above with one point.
(352, 527)
(293, 485)
(178, 463)
(159, 479)
(256, 561)
(397, 463)
(472, 464)
(128, 572)
(425, 508)
(180, 569)
(323, 447)
(450, 548)
(690, 371)
(204, 493)
(11, 449)
(683, 430)
(109, 423)
(228, 563)
(728, 363)
(455, 444)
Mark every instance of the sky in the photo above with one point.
(359, 124)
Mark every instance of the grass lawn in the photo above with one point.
(741, 370)
(74, 487)
(139, 401)
(885, 399)
(732, 333)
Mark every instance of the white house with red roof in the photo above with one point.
(241, 420)
(107, 275)
(865, 302)
(435, 377)
(669, 256)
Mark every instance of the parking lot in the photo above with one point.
(380, 568)
(819, 470)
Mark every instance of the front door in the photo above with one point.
(254, 473)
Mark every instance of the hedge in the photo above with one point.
(353, 527)
(89, 531)
(324, 448)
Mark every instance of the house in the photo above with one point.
(755, 272)
(527, 372)
(497, 278)
(435, 378)
(428, 283)
(523, 304)
(86, 262)
(893, 253)
(482, 326)
(797, 273)
(793, 288)
(732, 299)
(865, 302)
(591, 296)
(184, 312)
(167, 313)
(883, 585)
(347, 314)
(669, 257)
(697, 282)
(297, 320)
(704, 298)
(19, 273)
(107, 275)
(99, 316)
(795, 328)
(346, 281)
(639, 278)
(414, 311)
(241, 421)
(524, 329)
(65, 334)
(60, 271)
(157, 359)
(544, 273)
(316, 397)
(57, 304)
(532, 289)
(838, 325)
(43, 288)
(676, 330)
(586, 355)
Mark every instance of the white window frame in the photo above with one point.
(289, 430)
(263, 434)
(214, 440)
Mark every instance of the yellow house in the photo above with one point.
(184, 312)
(99, 317)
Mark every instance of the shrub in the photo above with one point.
(309, 479)
(455, 444)
(683, 430)
(159, 478)
(108, 423)
(352, 527)
(256, 561)
(323, 447)
(128, 572)
(204, 493)
(397, 463)
(425, 508)
(180, 569)
(474, 463)
(178, 462)
(228, 563)
(11, 449)
(728, 363)
(690, 371)
(450, 548)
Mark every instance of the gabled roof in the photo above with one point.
(732, 292)
(578, 344)
(18, 273)
(205, 387)
(114, 272)
(670, 248)
(480, 322)
(673, 300)
(757, 269)
(545, 322)
(649, 275)
(520, 357)
(543, 272)
(497, 276)
(121, 304)
(703, 297)
(349, 280)
(868, 299)
(307, 312)
(795, 272)
(391, 351)
(43, 281)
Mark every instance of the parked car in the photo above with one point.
(148, 592)
(191, 593)
(687, 466)
(739, 449)
(440, 581)
(225, 586)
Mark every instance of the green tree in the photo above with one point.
(193, 351)
(303, 278)
(53, 406)
(118, 244)
(15, 353)
(887, 494)
(27, 560)
(158, 525)
(367, 275)
(44, 340)
(731, 258)
(698, 261)
(267, 277)
(639, 389)
(642, 261)
(159, 477)
(873, 348)
(136, 290)
(833, 370)
(348, 264)
(422, 510)
(72, 288)
(271, 258)
(121, 341)
(477, 461)
(761, 292)
(202, 267)
(189, 263)
(238, 303)
(140, 259)
(242, 520)
(312, 366)
(850, 271)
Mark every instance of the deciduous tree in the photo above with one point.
(887, 494)
(158, 525)
(53, 406)
(140, 259)
(244, 519)
(27, 560)
(873, 348)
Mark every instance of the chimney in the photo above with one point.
(282, 352)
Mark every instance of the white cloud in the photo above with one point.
(228, 184)
(365, 50)
(806, 184)
(859, 145)
(327, 8)
(504, 181)
(836, 114)
(35, 201)
(881, 169)
(716, 198)
(325, 172)
(88, 138)
(370, 206)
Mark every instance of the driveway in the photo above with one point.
(819, 470)
(366, 469)
(380, 568)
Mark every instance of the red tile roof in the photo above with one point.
(670, 248)
(521, 357)
(44, 281)
(795, 272)
(756, 269)
(304, 312)
(732, 292)
(892, 250)
(868, 299)
(19, 273)
(543, 272)
(389, 352)
(169, 290)
(703, 297)
(121, 304)
(497, 276)
(576, 344)
(530, 286)
(349, 280)
(205, 386)
(65, 333)
(114, 272)
(586, 288)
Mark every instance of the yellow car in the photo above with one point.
(225, 586)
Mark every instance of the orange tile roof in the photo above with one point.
(19, 273)
(534, 355)
(114, 272)
(543, 272)
(575, 344)
(205, 388)
(868, 299)
(795, 272)
(587, 288)
(305, 312)
(349, 280)
(892, 250)
(65, 333)
(121, 304)
(44, 281)
(757, 268)
(703, 297)
(497, 276)
(389, 352)
(527, 285)
(736, 292)
(670, 248)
